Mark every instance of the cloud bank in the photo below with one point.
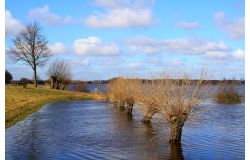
(234, 28)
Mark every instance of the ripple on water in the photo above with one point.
(92, 130)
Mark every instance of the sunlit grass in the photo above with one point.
(20, 102)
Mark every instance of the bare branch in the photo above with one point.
(31, 47)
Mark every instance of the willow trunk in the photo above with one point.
(176, 132)
(148, 116)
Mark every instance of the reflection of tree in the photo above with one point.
(129, 117)
(176, 151)
(33, 137)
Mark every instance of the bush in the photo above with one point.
(227, 94)
(121, 92)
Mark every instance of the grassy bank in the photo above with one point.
(20, 102)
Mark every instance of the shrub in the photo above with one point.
(122, 93)
(227, 93)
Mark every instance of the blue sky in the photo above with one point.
(101, 39)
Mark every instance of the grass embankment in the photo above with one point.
(20, 102)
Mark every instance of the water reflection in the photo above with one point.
(34, 133)
(176, 151)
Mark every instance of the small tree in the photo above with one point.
(8, 77)
(31, 47)
(60, 74)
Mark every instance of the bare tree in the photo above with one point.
(60, 74)
(175, 99)
(31, 47)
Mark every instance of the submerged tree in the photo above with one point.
(31, 47)
(174, 99)
(122, 92)
(60, 74)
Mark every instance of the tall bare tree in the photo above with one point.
(31, 47)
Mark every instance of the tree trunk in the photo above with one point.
(129, 108)
(57, 84)
(121, 106)
(35, 77)
(51, 83)
(176, 128)
(149, 115)
(63, 86)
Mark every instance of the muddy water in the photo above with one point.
(95, 130)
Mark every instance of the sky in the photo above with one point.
(101, 39)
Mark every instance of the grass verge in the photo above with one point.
(20, 102)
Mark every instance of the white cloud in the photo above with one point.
(217, 54)
(188, 25)
(44, 15)
(58, 48)
(239, 54)
(85, 62)
(12, 25)
(133, 65)
(121, 14)
(234, 28)
(80, 62)
(176, 62)
(93, 46)
(112, 3)
(147, 45)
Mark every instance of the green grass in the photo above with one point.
(20, 102)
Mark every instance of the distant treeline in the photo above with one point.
(26, 80)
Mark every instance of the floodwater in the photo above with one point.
(95, 130)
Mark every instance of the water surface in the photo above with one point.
(95, 130)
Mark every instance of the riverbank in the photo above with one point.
(20, 102)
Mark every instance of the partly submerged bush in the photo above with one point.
(122, 91)
(227, 93)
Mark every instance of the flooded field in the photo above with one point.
(95, 130)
